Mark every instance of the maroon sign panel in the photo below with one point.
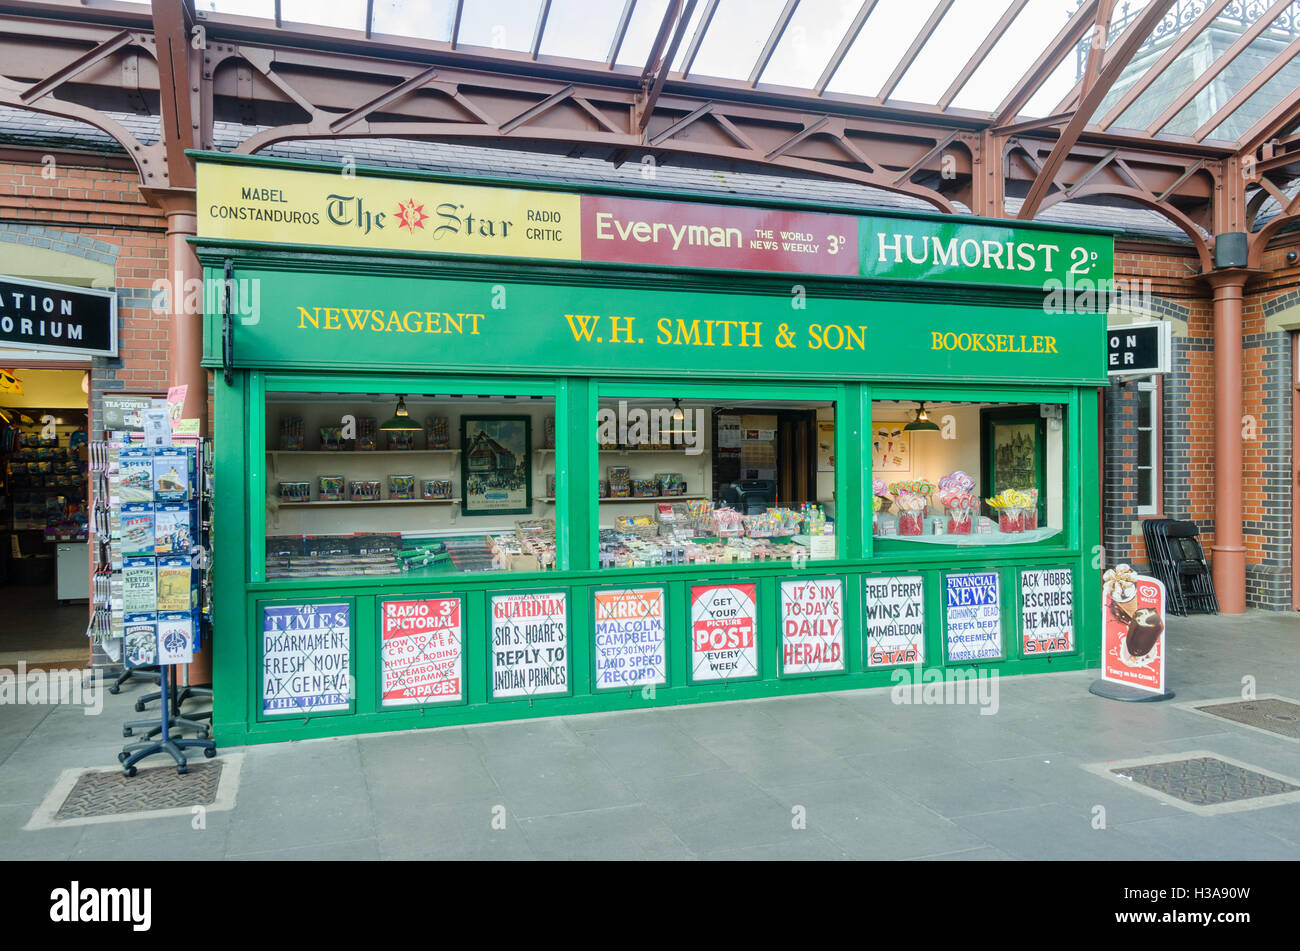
(633, 231)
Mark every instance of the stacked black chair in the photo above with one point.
(1177, 559)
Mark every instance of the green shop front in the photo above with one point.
(489, 450)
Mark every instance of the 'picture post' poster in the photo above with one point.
(1046, 611)
(812, 626)
(306, 657)
(1133, 629)
(421, 652)
(895, 620)
(724, 626)
(630, 633)
(974, 616)
(530, 645)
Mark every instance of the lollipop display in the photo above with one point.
(912, 498)
(1010, 504)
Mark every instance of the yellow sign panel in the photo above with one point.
(390, 214)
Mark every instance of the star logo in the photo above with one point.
(410, 215)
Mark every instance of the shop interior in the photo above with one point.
(967, 473)
(44, 557)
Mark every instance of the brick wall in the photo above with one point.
(97, 213)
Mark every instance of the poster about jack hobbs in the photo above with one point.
(1046, 611)
(306, 656)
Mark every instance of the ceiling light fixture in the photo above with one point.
(921, 424)
(401, 421)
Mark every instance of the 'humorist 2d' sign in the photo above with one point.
(530, 645)
(422, 652)
(724, 625)
(895, 620)
(306, 658)
(974, 612)
(629, 636)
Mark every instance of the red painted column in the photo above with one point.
(1229, 553)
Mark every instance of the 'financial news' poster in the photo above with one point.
(895, 620)
(974, 616)
(724, 625)
(1046, 611)
(630, 633)
(306, 657)
(812, 626)
(422, 651)
(1133, 629)
(530, 645)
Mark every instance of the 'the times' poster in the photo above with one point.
(812, 626)
(974, 616)
(724, 623)
(530, 644)
(630, 650)
(422, 652)
(306, 654)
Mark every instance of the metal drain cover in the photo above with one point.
(1202, 781)
(1267, 713)
(1205, 781)
(111, 793)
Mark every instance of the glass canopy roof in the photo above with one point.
(1212, 71)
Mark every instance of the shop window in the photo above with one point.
(423, 484)
(715, 481)
(967, 473)
(1148, 449)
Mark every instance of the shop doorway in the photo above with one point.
(777, 448)
(44, 512)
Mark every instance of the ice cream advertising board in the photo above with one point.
(724, 626)
(1133, 629)
(422, 652)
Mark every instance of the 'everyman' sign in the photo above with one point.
(39, 316)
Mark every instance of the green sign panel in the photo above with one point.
(961, 252)
(399, 323)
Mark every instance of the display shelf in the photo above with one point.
(345, 502)
(348, 453)
(653, 498)
(644, 452)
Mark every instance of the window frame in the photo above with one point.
(1151, 509)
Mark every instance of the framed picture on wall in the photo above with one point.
(495, 468)
(1014, 453)
(891, 447)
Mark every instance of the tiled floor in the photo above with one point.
(831, 776)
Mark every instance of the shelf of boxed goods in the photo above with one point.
(345, 453)
(343, 502)
(652, 498)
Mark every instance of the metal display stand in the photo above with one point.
(175, 747)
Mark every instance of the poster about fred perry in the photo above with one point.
(630, 633)
(306, 656)
(422, 651)
(894, 615)
(812, 626)
(724, 626)
(530, 645)
(974, 616)
(1133, 628)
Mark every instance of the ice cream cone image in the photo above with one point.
(1119, 584)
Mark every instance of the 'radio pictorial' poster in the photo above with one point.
(724, 625)
(306, 658)
(629, 637)
(422, 651)
(530, 645)
(894, 609)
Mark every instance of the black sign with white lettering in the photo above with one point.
(39, 316)
(1138, 349)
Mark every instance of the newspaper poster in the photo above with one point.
(724, 631)
(812, 626)
(894, 616)
(306, 658)
(1046, 611)
(974, 616)
(630, 635)
(530, 645)
(421, 652)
